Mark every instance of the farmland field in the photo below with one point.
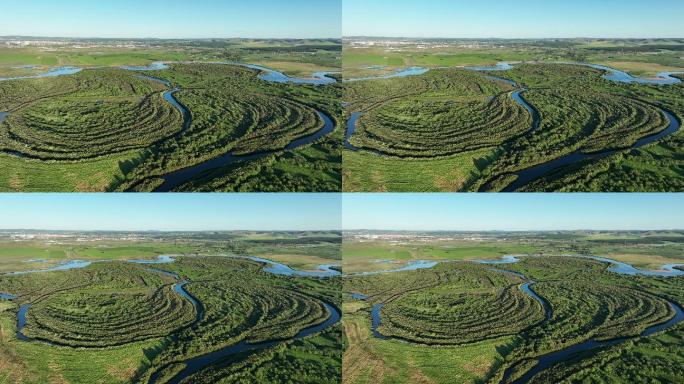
(547, 123)
(552, 313)
(121, 121)
(169, 308)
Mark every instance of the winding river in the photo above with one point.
(531, 174)
(525, 287)
(574, 351)
(179, 177)
(198, 363)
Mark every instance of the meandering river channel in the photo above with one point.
(574, 351)
(198, 363)
(533, 173)
(181, 176)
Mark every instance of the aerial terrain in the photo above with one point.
(545, 115)
(169, 115)
(513, 307)
(170, 307)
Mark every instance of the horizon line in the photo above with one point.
(175, 38)
(512, 38)
(167, 230)
(519, 230)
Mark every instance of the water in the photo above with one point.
(410, 266)
(157, 66)
(3, 115)
(54, 72)
(199, 308)
(506, 259)
(179, 177)
(505, 80)
(375, 321)
(268, 74)
(7, 296)
(359, 296)
(282, 269)
(21, 322)
(573, 351)
(528, 175)
(161, 259)
(163, 272)
(613, 74)
(501, 66)
(196, 364)
(153, 78)
(536, 120)
(351, 128)
(72, 264)
(667, 270)
(411, 71)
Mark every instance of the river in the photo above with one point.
(179, 177)
(195, 364)
(547, 360)
(528, 175)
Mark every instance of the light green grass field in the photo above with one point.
(36, 176)
(367, 172)
(368, 360)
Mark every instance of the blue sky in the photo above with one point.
(172, 18)
(504, 211)
(514, 19)
(196, 211)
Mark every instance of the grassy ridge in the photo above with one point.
(453, 111)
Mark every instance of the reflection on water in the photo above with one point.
(276, 268)
(410, 266)
(506, 259)
(161, 259)
(54, 72)
(667, 270)
(411, 71)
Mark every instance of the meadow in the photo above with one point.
(121, 321)
(486, 323)
(221, 127)
(474, 121)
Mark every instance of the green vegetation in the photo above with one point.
(450, 304)
(109, 129)
(455, 130)
(416, 116)
(578, 112)
(455, 308)
(91, 114)
(121, 322)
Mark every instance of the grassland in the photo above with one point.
(458, 113)
(121, 322)
(453, 320)
(452, 130)
(109, 129)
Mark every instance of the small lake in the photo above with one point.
(64, 266)
(410, 71)
(276, 268)
(161, 259)
(667, 270)
(54, 72)
(506, 259)
(410, 266)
